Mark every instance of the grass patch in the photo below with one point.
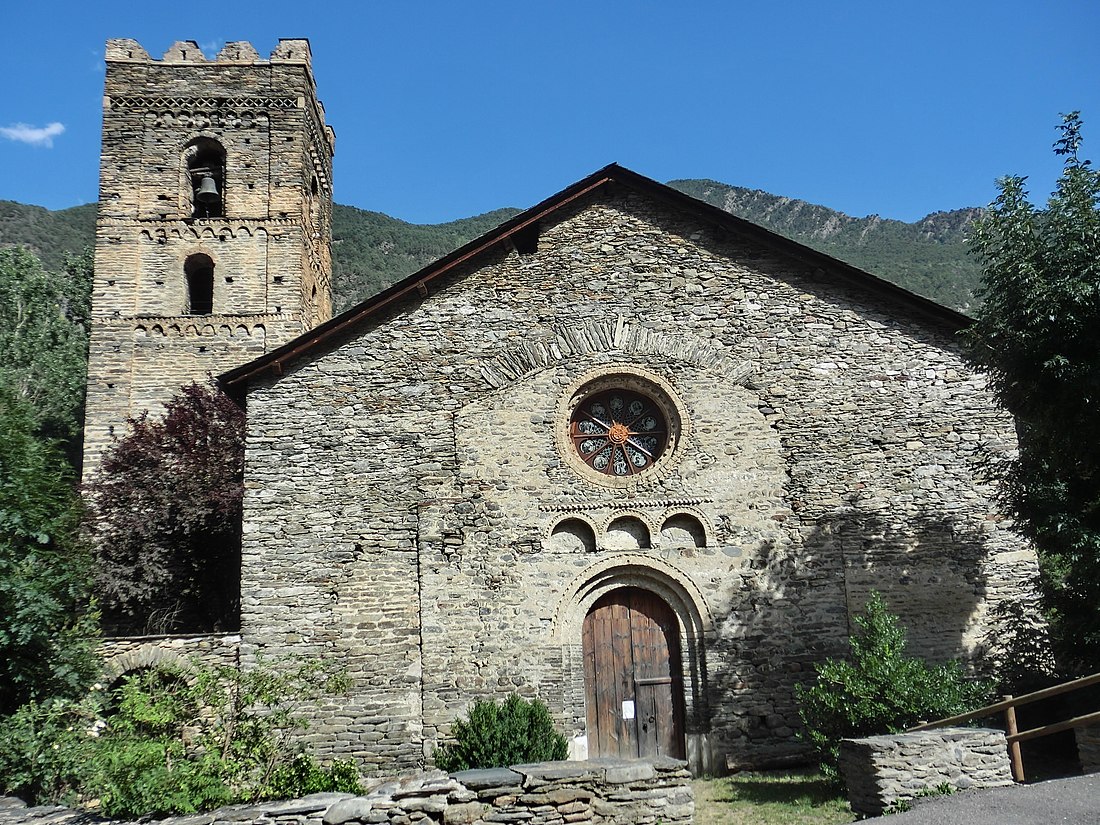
(767, 797)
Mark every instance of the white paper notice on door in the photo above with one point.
(628, 708)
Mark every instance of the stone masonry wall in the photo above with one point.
(1088, 748)
(122, 655)
(270, 248)
(406, 491)
(881, 770)
(607, 792)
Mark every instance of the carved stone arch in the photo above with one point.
(627, 530)
(633, 569)
(627, 573)
(560, 344)
(685, 527)
(145, 656)
(573, 533)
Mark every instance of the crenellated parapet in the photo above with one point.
(289, 50)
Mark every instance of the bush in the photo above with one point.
(880, 690)
(172, 741)
(495, 736)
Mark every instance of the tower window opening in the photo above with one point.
(204, 178)
(199, 271)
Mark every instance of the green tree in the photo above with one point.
(46, 624)
(166, 509)
(43, 335)
(879, 689)
(1037, 337)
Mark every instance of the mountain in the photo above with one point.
(370, 250)
(928, 257)
(50, 235)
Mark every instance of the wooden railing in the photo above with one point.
(1009, 704)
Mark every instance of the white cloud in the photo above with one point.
(33, 135)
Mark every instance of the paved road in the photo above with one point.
(1075, 801)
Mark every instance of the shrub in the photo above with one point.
(514, 732)
(880, 689)
(172, 741)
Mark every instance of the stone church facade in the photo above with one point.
(626, 453)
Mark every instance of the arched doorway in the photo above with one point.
(634, 692)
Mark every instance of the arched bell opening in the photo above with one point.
(204, 178)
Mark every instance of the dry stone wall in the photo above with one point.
(882, 770)
(604, 792)
(404, 488)
(1088, 748)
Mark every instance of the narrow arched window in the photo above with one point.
(199, 272)
(204, 178)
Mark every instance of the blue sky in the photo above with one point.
(448, 109)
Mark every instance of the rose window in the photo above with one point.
(618, 432)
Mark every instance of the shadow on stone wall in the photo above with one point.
(795, 607)
(930, 568)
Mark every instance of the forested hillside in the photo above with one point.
(371, 250)
(49, 235)
(928, 257)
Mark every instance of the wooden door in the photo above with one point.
(633, 683)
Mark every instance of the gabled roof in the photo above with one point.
(508, 232)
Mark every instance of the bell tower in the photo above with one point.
(215, 221)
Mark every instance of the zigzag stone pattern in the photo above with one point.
(620, 336)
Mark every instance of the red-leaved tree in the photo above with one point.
(166, 517)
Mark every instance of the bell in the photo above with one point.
(207, 191)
